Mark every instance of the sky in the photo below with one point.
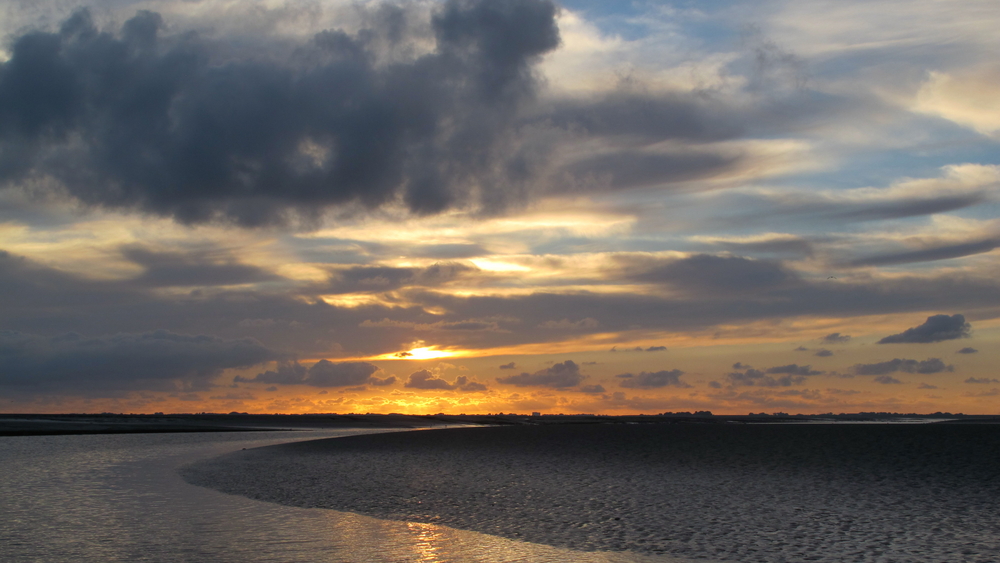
(481, 206)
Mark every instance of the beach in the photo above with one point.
(728, 492)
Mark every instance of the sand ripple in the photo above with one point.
(771, 493)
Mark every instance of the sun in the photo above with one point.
(420, 353)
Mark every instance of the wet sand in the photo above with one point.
(767, 493)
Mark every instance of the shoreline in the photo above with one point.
(108, 423)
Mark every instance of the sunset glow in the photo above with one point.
(491, 206)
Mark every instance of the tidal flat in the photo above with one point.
(726, 492)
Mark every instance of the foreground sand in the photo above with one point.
(730, 492)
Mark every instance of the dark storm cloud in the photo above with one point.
(158, 360)
(652, 380)
(323, 373)
(967, 350)
(704, 273)
(930, 365)
(929, 254)
(935, 329)
(836, 338)
(559, 376)
(178, 126)
(164, 269)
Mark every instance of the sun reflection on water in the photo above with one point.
(427, 541)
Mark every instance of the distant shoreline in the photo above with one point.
(109, 423)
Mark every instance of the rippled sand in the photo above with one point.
(771, 493)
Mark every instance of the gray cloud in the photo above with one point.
(652, 380)
(559, 376)
(930, 365)
(929, 254)
(935, 329)
(967, 350)
(178, 126)
(511, 365)
(593, 389)
(159, 360)
(886, 380)
(382, 381)
(465, 384)
(704, 273)
(377, 279)
(164, 269)
(824, 353)
(982, 380)
(757, 378)
(323, 373)
(836, 338)
(425, 379)
(793, 369)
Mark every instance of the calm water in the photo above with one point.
(119, 498)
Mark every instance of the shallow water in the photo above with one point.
(119, 498)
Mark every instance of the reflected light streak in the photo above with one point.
(427, 541)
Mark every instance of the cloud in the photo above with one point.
(378, 279)
(982, 380)
(174, 269)
(652, 380)
(927, 386)
(511, 365)
(757, 378)
(704, 273)
(967, 350)
(158, 360)
(935, 329)
(945, 252)
(382, 381)
(179, 126)
(566, 323)
(323, 373)
(886, 380)
(824, 353)
(424, 379)
(559, 376)
(930, 365)
(465, 384)
(593, 389)
(656, 349)
(836, 338)
(793, 369)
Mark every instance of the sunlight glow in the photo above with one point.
(422, 353)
